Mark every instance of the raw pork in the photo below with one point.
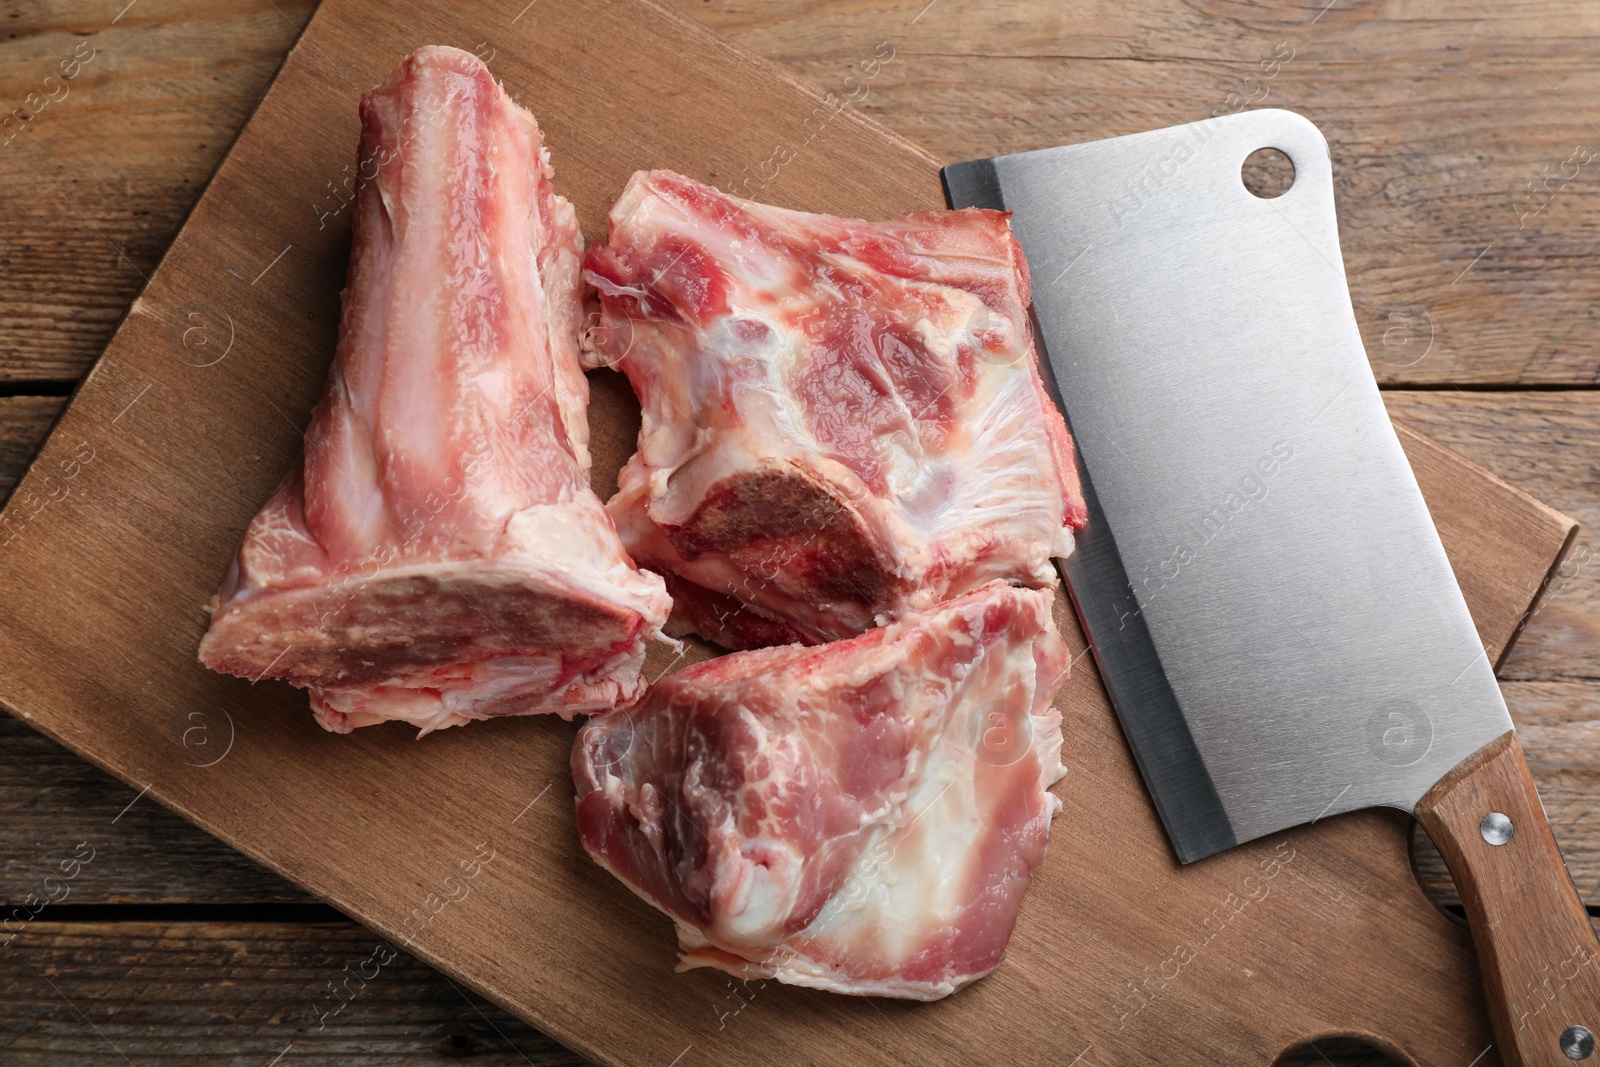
(861, 817)
(843, 420)
(438, 555)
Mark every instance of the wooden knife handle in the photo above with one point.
(1538, 952)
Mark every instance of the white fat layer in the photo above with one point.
(915, 875)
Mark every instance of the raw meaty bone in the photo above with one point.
(438, 555)
(843, 420)
(861, 817)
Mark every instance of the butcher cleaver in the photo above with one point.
(1266, 596)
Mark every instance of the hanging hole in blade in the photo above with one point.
(1267, 173)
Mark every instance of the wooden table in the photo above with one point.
(1462, 134)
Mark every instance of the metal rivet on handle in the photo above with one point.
(1496, 829)
(1577, 1042)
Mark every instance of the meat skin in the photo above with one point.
(861, 817)
(843, 420)
(437, 555)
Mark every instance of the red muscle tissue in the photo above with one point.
(861, 817)
(438, 555)
(843, 420)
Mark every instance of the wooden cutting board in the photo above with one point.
(462, 847)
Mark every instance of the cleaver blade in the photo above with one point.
(1263, 588)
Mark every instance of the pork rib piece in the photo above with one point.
(438, 555)
(861, 817)
(843, 420)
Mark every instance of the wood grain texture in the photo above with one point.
(1470, 510)
(24, 420)
(1440, 115)
(100, 179)
(238, 995)
(163, 460)
(1538, 954)
(1546, 443)
(53, 800)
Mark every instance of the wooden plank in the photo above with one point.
(1439, 116)
(24, 420)
(1546, 443)
(53, 800)
(1472, 511)
(115, 993)
(244, 993)
(143, 854)
(99, 181)
(172, 458)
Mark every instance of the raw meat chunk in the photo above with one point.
(843, 420)
(438, 555)
(861, 817)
